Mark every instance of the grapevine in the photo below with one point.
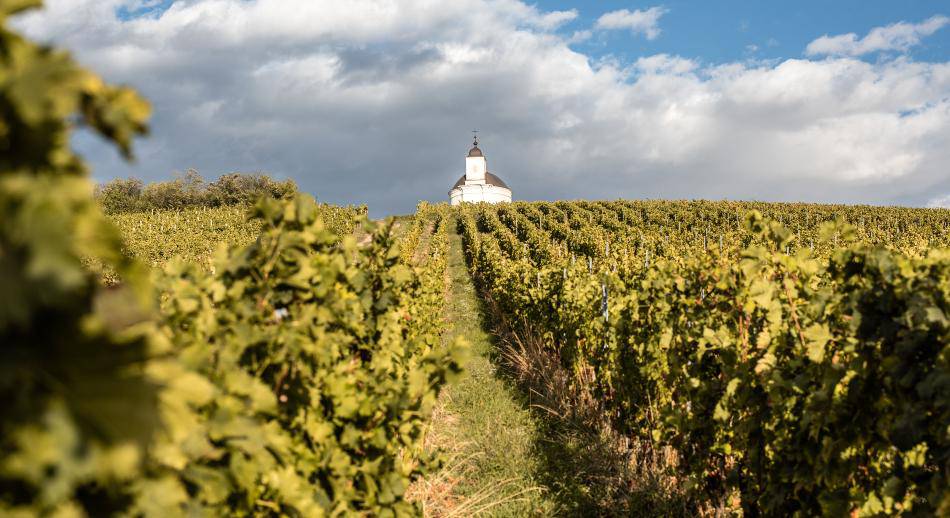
(802, 377)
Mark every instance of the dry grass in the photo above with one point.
(462, 486)
(523, 437)
(608, 474)
(486, 436)
(441, 498)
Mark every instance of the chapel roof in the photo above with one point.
(490, 179)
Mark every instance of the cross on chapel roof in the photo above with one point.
(474, 152)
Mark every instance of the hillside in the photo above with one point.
(236, 348)
(592, 319)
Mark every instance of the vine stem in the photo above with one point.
(791, 302)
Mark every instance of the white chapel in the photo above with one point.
(477, 184)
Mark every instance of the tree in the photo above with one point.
(120, 195)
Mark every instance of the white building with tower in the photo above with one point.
(477, 184)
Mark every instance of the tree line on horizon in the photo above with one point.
(190, 190)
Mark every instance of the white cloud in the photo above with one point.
(642, 22)
(665, 64)
(372, 101)
(899, 37)
(942, 202)
(580, 36)
(555, 19)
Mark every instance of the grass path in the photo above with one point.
(481, 422)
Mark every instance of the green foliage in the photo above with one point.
(803, 380)
(120, 195)
(189, 191)
(236, 189)
(78, 408)
(195, 234)
(293, 379)
(315, 377)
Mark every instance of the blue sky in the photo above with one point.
(142, 9)
(372, 101)
(723, 30)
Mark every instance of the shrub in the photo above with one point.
(190, 190)
(120, 195)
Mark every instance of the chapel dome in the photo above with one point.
(475, 151)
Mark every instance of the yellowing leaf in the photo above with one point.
(817, 337)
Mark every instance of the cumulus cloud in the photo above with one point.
(365, 101)
(898, 37)
(641, 22)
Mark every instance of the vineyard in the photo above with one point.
(196, 234)
(797, 362)
(291, 358)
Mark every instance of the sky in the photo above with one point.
(374, 101)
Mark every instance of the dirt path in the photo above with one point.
(488, 435)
